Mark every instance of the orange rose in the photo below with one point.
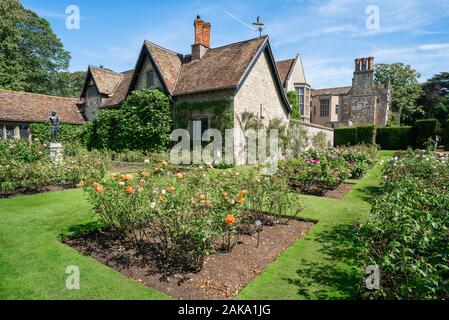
(225, 194)
(202, 197)
(129, 189)
(241, 200)
(180, 175)
(207, 203)
(145, 174)
(171, 189)
(243, 192)
(80, 184)
(114, 176)
(194, 203)
(230, 219)
(98, 188)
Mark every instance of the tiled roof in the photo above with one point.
(168, 63)
(119, 95)
(219, 68)
(331, 91)
(107, 81)
(30, 107)
(284, 68)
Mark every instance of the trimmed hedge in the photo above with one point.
(425, 129)
(68, 133)
(350, 136)
(396, 138)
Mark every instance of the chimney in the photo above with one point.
(364, 64)
(199, 24)
(202, 38)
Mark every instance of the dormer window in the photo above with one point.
(150, 79)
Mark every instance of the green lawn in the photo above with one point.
(33, 260)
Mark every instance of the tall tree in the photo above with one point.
(406, 88)
(31, 55)
(435, 90)
(69, 84)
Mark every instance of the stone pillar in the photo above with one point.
(56, 152)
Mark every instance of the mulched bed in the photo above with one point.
(30, 191)
(340, 192)
(126, 166)
(223, 274)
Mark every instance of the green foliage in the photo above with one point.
(293, 100)
(435, 91)
(407, 231)
(345, 136)
(68, 133)
(319, 141)
(32, 169)
(406, 88)
(396, 138)
(426, 130)
(69, 84)
(184, 215)
(349, 136)
(221, 118)
(31, 55)
(21, 151)
(446, 136)
(144, 122)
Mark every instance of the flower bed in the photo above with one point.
(406, 235)
(186, 216)
(27, 168)
(316, 172)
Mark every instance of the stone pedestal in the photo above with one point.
(56, 152)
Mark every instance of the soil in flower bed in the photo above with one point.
(30, 191)
(340, 192)
(222, 276)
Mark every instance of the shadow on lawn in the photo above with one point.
(367, 193)
(332, 279)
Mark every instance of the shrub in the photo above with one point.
(407, 231)
(349, 136)
(426, 131)
(68, 133)
(345, 136)
(446, 136)
(21, 151)
(396, 138)
(144, 122)
(319, 141)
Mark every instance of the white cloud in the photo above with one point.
(434, 46)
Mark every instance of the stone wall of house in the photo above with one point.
(93, 101)
(141, 82)
(313, 130)
(261, 96)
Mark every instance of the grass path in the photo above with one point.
(323, 264)
(33, 261)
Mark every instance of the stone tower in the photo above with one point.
(366, 102)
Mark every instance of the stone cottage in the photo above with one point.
(365, 102)
(212, 85)
(293, 79)
(19, 109)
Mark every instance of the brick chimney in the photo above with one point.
(364, 64)
(202, 38)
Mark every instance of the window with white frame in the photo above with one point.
(300, 91)
(324, 107)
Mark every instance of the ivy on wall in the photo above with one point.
(67, 132)
(221, 112)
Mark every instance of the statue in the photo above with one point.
(54, 126)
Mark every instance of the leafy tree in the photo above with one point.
(31, 55)
(293, 100)
(435, 97)
(406, 88)
(69, 84)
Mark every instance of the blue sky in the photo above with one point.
(329, 34)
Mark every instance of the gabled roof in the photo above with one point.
(167, 62)
(331, 91)
(106, 80)
(31, 107)
(219, 68)
(119, 94)
(284, 68)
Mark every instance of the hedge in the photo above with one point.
(349, 136)
(396, 138)
(425, 129)
(68, 133)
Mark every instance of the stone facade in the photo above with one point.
(365, 102)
